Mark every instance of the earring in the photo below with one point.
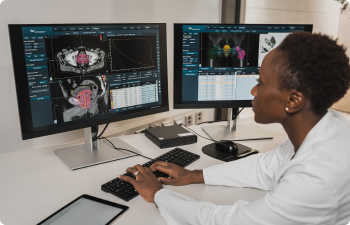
(286, 108)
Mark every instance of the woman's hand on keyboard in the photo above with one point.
(146, 183)
(178, 176)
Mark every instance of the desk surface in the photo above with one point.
(35, 183)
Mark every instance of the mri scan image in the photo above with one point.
(79, 98)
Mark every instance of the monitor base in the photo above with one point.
(241, 133)
(78, 157)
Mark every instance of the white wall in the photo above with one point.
(344, 38)
(323, 14)
(89, 11)
(344, 30)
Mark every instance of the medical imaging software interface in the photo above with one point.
(80, 72)
(221, 62)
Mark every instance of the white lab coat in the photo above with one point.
(313, 188)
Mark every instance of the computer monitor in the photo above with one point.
(216, 66)
(73, 76)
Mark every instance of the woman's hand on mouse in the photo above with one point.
(178, 176)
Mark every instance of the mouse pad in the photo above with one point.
(243, 151)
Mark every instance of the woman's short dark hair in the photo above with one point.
(315, 65)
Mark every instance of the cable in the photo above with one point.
(239, 112)
(198, 134)
(97, 137)
(214, 121)
(125, 149)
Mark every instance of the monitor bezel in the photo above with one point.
(19, 68)
(177, 86)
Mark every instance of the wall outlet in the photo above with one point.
(189, 120)
(178, 120)
(166, 123)
(199, 117)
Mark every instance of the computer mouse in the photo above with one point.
(226, 146)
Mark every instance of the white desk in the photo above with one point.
(36, 183)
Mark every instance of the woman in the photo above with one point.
(308, 176)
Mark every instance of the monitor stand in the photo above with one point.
(94, 152)
(236, 132)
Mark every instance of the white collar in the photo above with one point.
(316, 134)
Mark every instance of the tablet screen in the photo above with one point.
(84, 211)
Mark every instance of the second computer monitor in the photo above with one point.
(216, 65)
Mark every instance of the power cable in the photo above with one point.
(125, 149)
(97, 137)
(198, 134)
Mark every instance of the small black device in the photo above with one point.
(170, 136)
(226, 146)
(86, 210)
(126, 191)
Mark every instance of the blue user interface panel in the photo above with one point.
(81, 72)
(221, 62)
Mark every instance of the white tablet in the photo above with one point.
(86, 210)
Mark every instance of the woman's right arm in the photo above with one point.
(253, 171)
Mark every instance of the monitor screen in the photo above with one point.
(71, 76)
(216, 65)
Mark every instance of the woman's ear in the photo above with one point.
(295, 102)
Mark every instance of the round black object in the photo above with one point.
(226, 146)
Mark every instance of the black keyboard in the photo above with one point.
(126, 191)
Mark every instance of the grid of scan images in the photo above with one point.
(228, 50)
(223, 49)
(237, 49)
(80, 66)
